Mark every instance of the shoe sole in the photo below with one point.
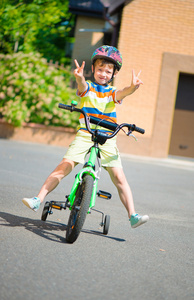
(27, 204)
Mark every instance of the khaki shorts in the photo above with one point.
(78, 149)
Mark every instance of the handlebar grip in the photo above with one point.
(140, 130)
(64, 106)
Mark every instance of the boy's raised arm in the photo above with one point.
(79, 75)
(128, 90)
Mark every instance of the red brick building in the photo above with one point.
(158, 38)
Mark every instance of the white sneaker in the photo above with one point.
(137, 220)
(33, 203)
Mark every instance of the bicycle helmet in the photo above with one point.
(109, 53)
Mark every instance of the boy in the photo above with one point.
(97, 99)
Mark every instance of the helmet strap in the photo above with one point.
(114, 70)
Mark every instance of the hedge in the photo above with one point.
(30, 91)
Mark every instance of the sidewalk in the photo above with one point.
(170, 161)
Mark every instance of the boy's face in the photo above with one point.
(103, 72)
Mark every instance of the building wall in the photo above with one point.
(87, 42)
(150, 29)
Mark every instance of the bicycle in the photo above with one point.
(82, 197)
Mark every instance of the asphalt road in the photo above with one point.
(154, 261)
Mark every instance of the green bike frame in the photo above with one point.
(87, 169)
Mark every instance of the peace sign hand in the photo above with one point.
(79, 71)
(135, 82)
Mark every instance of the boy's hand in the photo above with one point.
(135, 82)
(80, 79)
(79, 71)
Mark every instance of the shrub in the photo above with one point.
(30, 91)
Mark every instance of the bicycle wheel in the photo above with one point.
(106, 224)
(45, 211)
(80, 208)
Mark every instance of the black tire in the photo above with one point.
(45, 211)
(106, 224)
(80, 209)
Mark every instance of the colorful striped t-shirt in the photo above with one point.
(98, 101)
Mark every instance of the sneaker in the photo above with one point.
(137, 220)
(33, 203)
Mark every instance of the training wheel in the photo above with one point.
(106, 224)
(45, 211)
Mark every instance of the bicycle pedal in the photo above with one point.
(104, 195)
(56, 205)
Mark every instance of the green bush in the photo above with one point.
(30, 91)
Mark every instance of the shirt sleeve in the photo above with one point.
(115, 98)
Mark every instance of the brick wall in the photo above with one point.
(149, 29)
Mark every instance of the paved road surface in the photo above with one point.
(154, 261)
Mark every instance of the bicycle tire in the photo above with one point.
(80, 209)
(45, 211)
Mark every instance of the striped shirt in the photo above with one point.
(98, 101)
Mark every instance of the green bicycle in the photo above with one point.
(82, 197)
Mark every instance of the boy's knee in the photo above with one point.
(65, 166)
(121, 179)
(117, 176)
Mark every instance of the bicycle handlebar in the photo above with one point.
(100, 122)
(103, 123)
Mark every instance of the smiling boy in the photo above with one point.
(98, 99)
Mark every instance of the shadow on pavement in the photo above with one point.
(105, 236)
(44, 229)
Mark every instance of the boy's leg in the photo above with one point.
(118, 178)
(62, 170)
